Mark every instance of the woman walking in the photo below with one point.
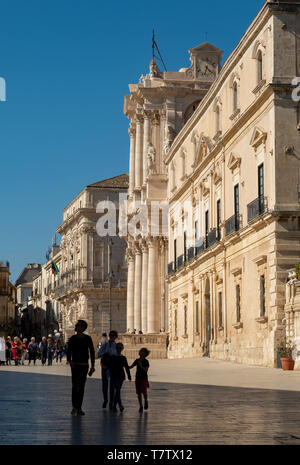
(16, 350)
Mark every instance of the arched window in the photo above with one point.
(190, 110)
(235, 96)
(259, 66)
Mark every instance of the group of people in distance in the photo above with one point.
(113, 368)
(20, 351)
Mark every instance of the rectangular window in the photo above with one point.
(175, 322)
(184, 246)
(261, 188)
(197, 317)
(206, 228)
(175, 254)
(185, 320)
(238, 303)
(220, 309)
(196, 232)
(236, 207)
(218, 219)
(262, 296)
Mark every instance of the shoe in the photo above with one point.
(104, 404)
(74, 412)
(80, 412)
(121, 408)
(146, 405)
(141, 409)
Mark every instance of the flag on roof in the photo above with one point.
(54, 268)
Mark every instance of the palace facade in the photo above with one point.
(225, 142)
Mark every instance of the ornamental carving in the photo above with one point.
(169, 137)
(151, 154)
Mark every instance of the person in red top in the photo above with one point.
(17, 350)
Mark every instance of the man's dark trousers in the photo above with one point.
(79, 373)
(105, 374)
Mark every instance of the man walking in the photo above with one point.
(43, 347)
(80, 347)
(105, 352)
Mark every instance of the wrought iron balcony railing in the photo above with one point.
(180, 262)
(232, 224)
(211, 237)
(191, 253)
(256, 207)
(170, 268)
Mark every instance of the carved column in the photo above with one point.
(131, 161)
(152, 319)
(130, 292)
(137, 290)
(138, 152)
(145, 143)
(144, 286)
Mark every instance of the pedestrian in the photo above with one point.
(16, 350)
(50, 350)
(103, 339)
(32, 350)
(24, 350)
(80, 347)
(108, 349)
(117, 363)
(8, 350)
(58, 350)
(141, 377)
(43, 348)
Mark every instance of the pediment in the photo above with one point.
(259, 137)
(203, 149)
(234, 161)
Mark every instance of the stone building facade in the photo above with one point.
(229, 150)
(91, 283)
(7, 302)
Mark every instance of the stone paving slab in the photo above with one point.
(35, 408)
(202, 370)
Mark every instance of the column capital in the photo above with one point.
(155, 118)
(139, 119)
(147, 114)
(131, 131)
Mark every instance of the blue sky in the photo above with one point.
(67, 66)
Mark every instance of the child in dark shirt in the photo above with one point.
(117, 363)
(141, 377)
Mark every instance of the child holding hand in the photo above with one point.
(141, 377)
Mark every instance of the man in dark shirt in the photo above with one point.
(80, 346)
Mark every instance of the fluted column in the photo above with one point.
(145, 143)
(131, 160)
(137, 290)
(130, 294)
(138, 152)
(144, 287)
(152, 318)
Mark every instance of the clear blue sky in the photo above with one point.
(67, 65)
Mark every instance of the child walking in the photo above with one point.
(117, 363)
(141, 377)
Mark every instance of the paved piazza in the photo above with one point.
(192, 401)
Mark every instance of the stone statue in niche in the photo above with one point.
(151, 153)
(169, 137)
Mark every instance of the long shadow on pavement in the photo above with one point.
(35, 409)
